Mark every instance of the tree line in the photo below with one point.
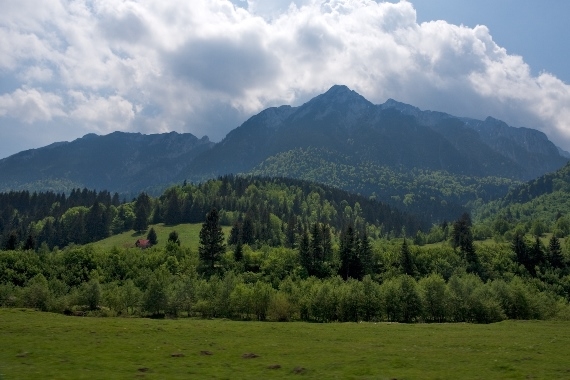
(271, 208)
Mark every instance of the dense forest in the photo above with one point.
(437, 195)
(294, 250)
(275, 207)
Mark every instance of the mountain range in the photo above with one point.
(393, 134)
(393, 151)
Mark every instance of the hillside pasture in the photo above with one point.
(189, 235)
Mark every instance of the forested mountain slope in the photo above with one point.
(435, 195)
(278, 209)
(122, 162)
(537, 206)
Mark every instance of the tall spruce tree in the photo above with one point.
(536, 257)
(350, 266)
(173, 238)
(406, 260)
(365, 253)
(142, 212)
(305, 256)
(173, 212)
(316, 248)
(30, 243)
(151, 236)
(211, 242)
(325, 266)
(248, 230)
(521, 250)
(238, 252)
(463, 239)
(555, 257)
(290, 234)
(235, 234)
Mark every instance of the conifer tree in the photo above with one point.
(30, 243)
(173, 212)
(290, 233)
(327, 249)
(238, 252)
(305, 256)
(350, 266)
(151, 236)
(520, 249)
(536, 257)
(235, 234)
(463, 239)
(142, 212)
(365, 253)
(211, 242)
(406, 260)
(316, 248)
(173, 238)
(248, 230)
(555, 253)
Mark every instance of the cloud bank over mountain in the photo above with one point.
(72, 67)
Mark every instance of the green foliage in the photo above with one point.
(152, 237)
(406, 260)
(437, 194)
(142, 212)
(211, 242)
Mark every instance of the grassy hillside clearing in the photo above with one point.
(189, 235)
(44, 345)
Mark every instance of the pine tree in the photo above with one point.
(536, 257)
(211, 242)
(248, 231)
(316, 249)
(238, 252)
(350, 266)
(555, 253)
(151, 236)
(463, 239)
(305, 256)
(173, 212)
(142, 212)
(235, 234)
(520, 249)
(290, 233)
(406, 260)
(365, 253)
(173, 238)
(30, 243)
(325, 267)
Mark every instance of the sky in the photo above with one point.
(72, 67)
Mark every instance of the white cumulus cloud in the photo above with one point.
(31, 105)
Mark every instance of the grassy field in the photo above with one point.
(50, 346)
(188, 234)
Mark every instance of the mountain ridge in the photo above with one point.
(118, 161)
(341, 117)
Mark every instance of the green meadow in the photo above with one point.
(187, 233)
(37, 345)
